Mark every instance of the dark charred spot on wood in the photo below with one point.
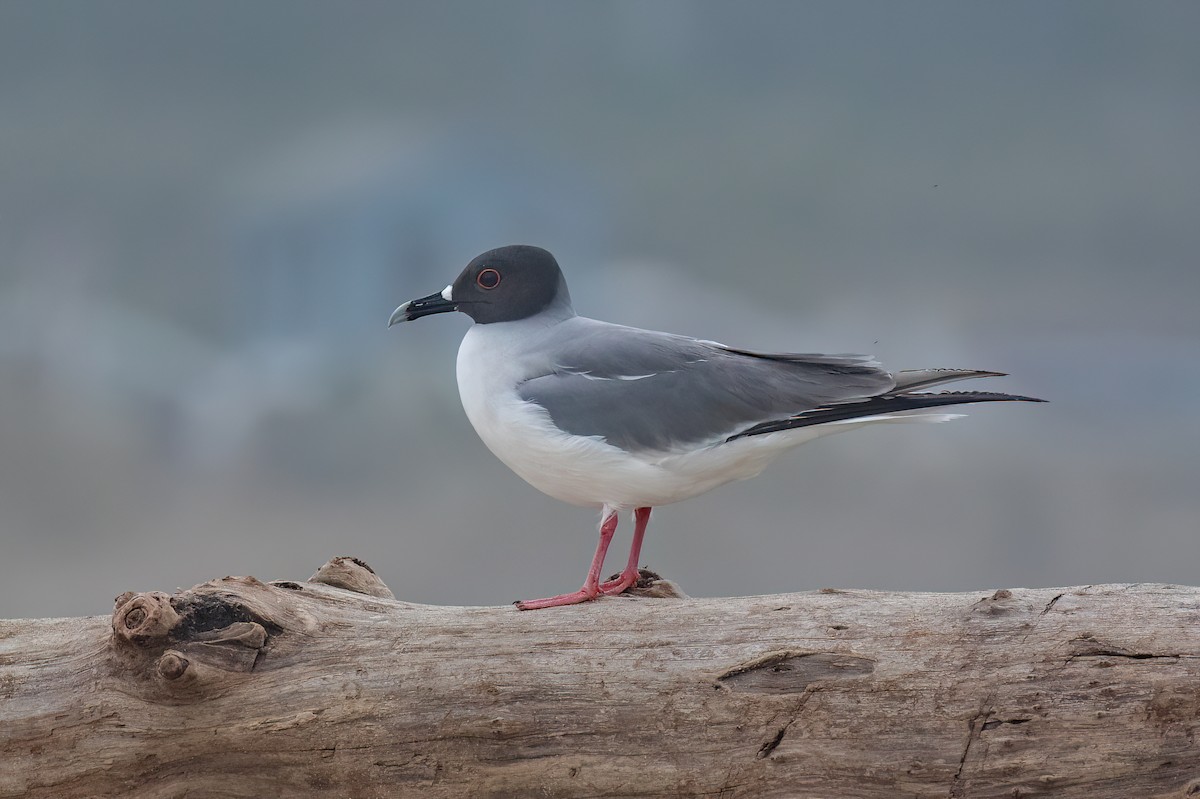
(288, 584)
(793, 672)
(202, 613)
(838, 627)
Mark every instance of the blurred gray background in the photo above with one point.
(209, 210)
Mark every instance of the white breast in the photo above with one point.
(520, 433)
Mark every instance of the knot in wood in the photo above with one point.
(352, 574)
(998, 604)
(144, 619)
(172, 665)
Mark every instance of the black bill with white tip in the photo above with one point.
(440, 302)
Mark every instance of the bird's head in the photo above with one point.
(502, 285)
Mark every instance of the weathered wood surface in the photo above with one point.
(239, 688)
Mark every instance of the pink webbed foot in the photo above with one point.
(607, 588)
(622, 583)
(582, 595)
(592, 587)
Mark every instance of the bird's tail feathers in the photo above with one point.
(909, 416)
(897, 406)
(911, 379)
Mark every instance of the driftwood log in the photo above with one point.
(330, 687)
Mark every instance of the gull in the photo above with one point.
(618, 418)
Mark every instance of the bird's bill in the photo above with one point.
(426, 306)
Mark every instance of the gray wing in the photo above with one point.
(647, 391)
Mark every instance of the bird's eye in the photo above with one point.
(488, 279)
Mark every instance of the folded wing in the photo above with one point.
(645, 391)
(654, 392)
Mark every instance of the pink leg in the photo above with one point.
(641, 517)
(591, 586)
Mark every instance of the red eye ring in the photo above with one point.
(488, 279)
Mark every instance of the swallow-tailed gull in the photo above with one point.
(617, 418)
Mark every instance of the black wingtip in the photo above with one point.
(879, 406)
(974, 396)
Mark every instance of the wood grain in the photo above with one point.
(239, 688)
